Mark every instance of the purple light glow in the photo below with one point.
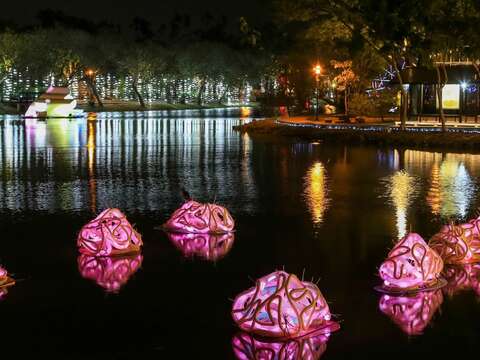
(194, 217)
(282, 306)
(412, 313)
(108, 234)
(207, 246)
(5, 282)
(458, 244)
(111, 273)
(249, 347)
(411, 265)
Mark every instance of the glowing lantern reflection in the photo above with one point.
(412, 313)
(250, 347)
(282, 306)
(207, 246)
(111, 273)
(462, 278)
(411, 265)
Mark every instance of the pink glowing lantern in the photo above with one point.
(5, 282)
(282, 306)
(462, 278)
(414, 312)
(108, 234)
(458, 244)
(111, 273)
(197, 218)
(207, 246)
(411, 266)
(249, 347)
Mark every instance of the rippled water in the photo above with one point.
(330, 211)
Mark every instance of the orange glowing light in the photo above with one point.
(317, 69)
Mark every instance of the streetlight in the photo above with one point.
(317, 70)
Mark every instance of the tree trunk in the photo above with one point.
(223, 97)
(137, 93)
(201, 91)
(404, 96)
(346, 101)
(93, 90)
(440, 85)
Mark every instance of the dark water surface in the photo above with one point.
(331, 210)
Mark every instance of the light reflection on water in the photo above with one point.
(316, 191)
(129, 162)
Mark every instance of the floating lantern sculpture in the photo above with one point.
(282, 306)
(411, 266)
(250, 347)
(108, 234)
(462, 278)
(194, 217)
(208, 246)
(414, 312)
(458, 244)
(5, 282)
(111, 273)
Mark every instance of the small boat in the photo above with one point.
(56, 102)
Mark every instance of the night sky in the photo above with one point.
(122, 12)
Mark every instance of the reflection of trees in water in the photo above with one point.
(401, 189)
(316, 191)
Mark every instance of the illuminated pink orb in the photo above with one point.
(207, 246)
(462, 278)
(411, 265)
(250, 347)
(194, 217)
(108, 234)
(458, 244)
(111, 273)
(5, 281)
(282, 306)
(412, 313)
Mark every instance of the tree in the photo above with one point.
(9, 43)
(345, 79)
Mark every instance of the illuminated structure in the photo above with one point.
(249, 347)
(111, 273)
(460, 94)
(109, 233)
(411, 266)
(5, 282)
(197, 218)
(414, 312)
(458, 244)
(56, 102)
(207, 246)
(462, 278)
(282, 306)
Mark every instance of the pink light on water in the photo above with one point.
(462, 278)
(282, 306)
(109, 233)
(250, 347)
(208, 246)
(194, 217)
(411, 265)
(412, 313)
(458, 244)
(111, 273)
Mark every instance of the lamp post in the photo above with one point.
(317, 70)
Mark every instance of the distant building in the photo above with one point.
(460, 95)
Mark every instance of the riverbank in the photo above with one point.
(119, 106)
(378, 134)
